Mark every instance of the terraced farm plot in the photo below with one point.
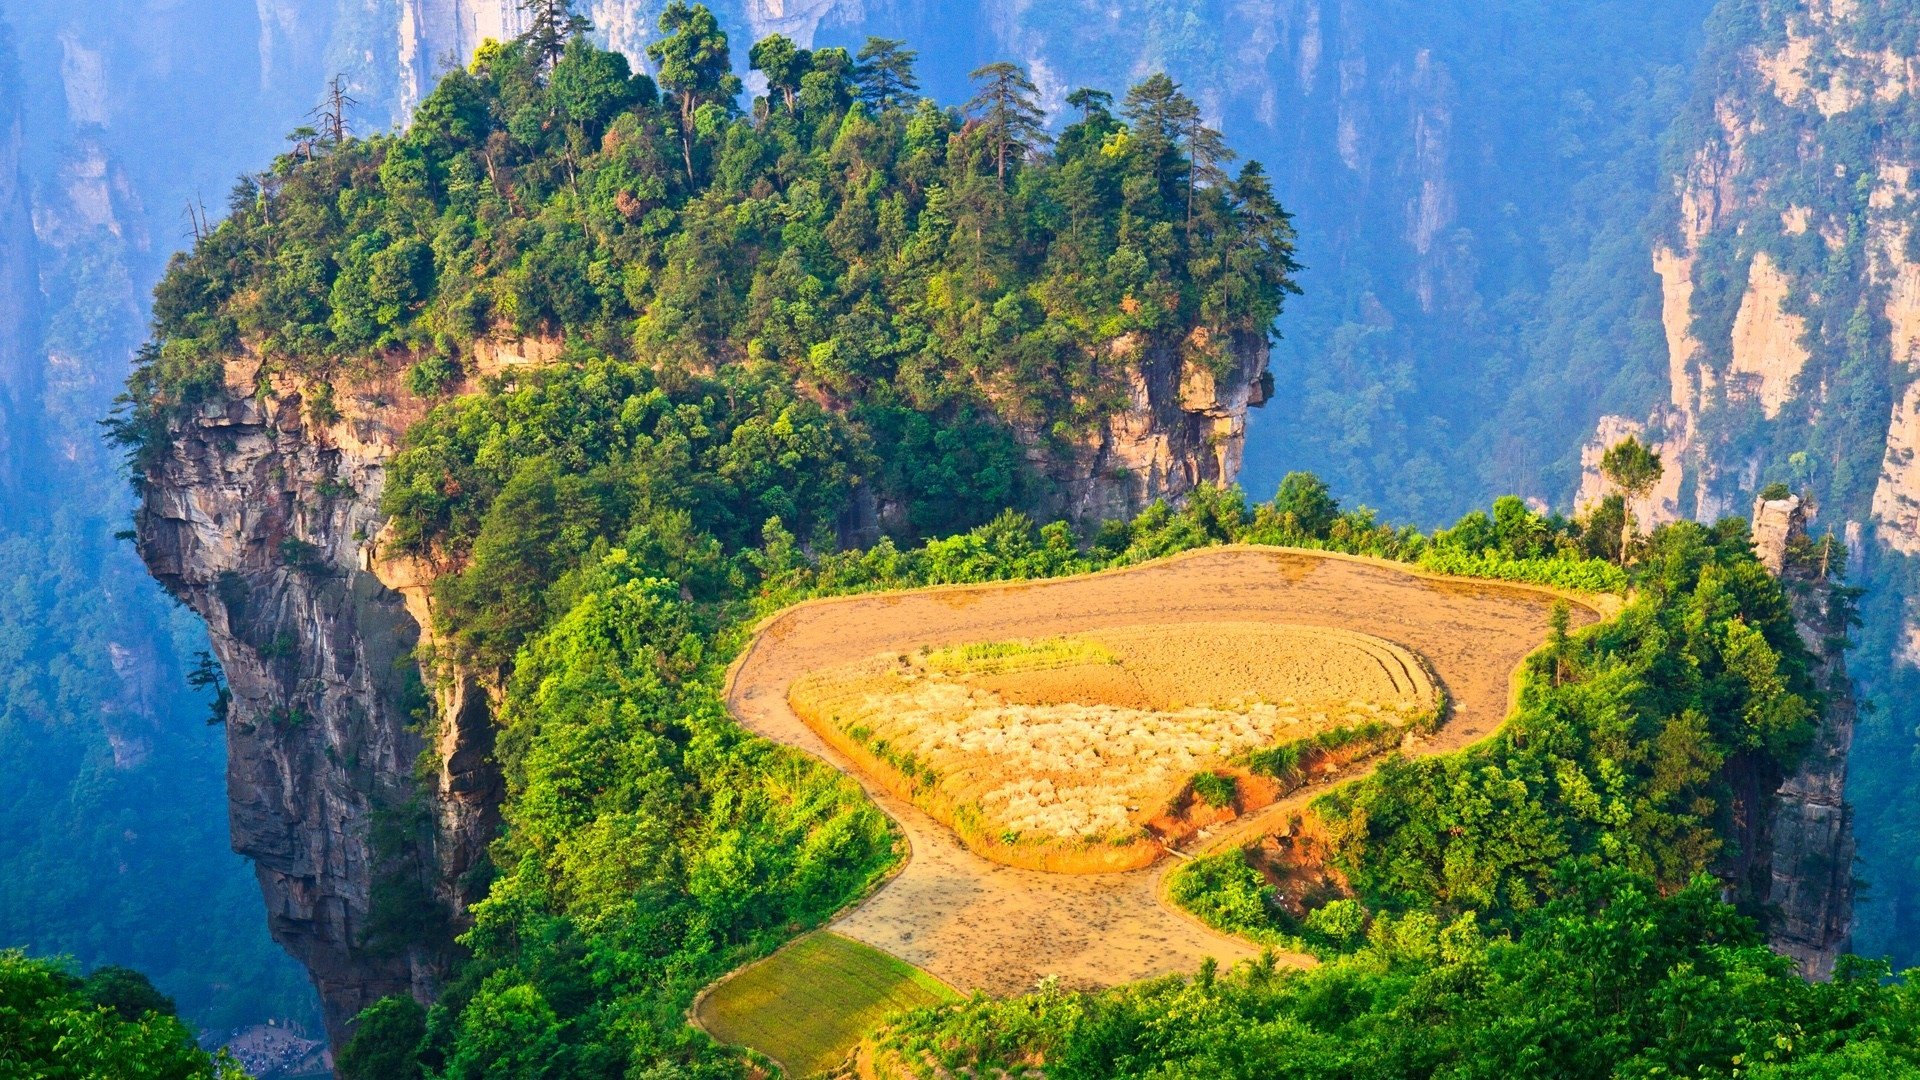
(1058, 752)
(807, 1005)
(977, 924)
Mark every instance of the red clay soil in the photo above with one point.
(976, 924)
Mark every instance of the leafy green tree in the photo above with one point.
(694, 67)
(1632, 468)
(1007, 109)
(386, 1042)
(783, 63)
(56, 1027)
(883, 74)
(1304, 500)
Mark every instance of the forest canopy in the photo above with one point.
(910, 267)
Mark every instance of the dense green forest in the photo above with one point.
(846, 285)
(113, 1023)
(940, 281)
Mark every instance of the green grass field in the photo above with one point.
(808, 1005)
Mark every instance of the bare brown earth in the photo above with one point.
(976, 924)
(1055, 755)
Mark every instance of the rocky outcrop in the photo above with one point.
(258, 515)
(1808, 878)
(1767, 351)
(1184, 423)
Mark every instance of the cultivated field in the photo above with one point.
(1058, 753)
(807, 1005)
(977, 924)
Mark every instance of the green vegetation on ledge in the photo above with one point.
(935, 276)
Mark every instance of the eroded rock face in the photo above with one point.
(258, 517)
(1183, 425)
(1808, 879)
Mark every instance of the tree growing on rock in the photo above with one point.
(1632, 468)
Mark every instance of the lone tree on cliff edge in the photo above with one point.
(332, 114)
(1010, 118)
(1632, 468)
(549, 24)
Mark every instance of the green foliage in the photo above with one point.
(1227, 893)
(1615, 755)
(386, 1042)
(1631, 466)
(1613, 980)
(889, 259)
(54, 1026)
(1215, 789)
(650, 845)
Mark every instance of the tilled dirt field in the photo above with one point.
(1086, 738)
(976, 924)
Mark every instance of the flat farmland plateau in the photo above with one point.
(980, 925)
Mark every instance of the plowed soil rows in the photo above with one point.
(976, 924)
(1058, 752)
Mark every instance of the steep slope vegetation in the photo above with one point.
(693, 332)
(1789, 275)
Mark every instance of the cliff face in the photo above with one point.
(1790, 269)
(1184, 424)
(1807, 884)
(260, 516)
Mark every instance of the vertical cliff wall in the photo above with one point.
(1789, 261)
(263, 520)
(1807, 886)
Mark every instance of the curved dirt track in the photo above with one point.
(977, 924)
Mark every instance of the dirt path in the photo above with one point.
(980, 925)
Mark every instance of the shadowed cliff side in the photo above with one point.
(259, 517)
(1809, 845)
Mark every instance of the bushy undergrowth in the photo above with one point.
(1610, 979)
(113, 1023)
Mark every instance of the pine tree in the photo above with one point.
(1206, 150)
(1009, 117)
(550, 23)
(884, 74)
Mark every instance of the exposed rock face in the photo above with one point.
(1183, 425)
(264, 519)
(1809, 878)
(258, 517)
(1767, 352)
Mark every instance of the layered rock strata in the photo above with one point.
(258, 515)
(1808, 878)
